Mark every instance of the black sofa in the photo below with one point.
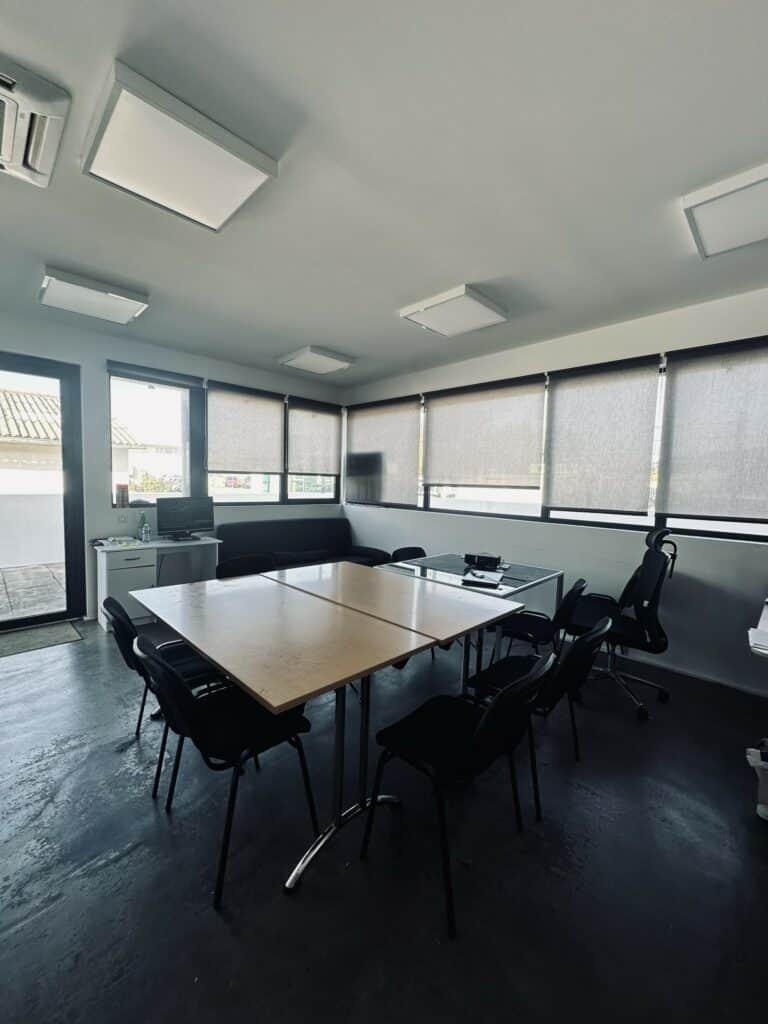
(295, 542)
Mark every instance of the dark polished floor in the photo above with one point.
(641, 896)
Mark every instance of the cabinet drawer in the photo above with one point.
(121, 582)
(130, 558)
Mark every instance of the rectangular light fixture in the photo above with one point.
(316, 360)
(77, 294)
(151, 145)
(729, 214)
(454, 312)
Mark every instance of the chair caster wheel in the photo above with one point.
(663, 696)
(642, 713)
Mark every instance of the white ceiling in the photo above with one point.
(534, 149)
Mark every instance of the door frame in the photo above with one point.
(68, 375)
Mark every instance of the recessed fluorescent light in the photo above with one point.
(150, 144)
(455, 312)
(316, 360)
(91, 298)
(729, 214)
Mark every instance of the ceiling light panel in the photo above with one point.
(455, 312)
(77, 294)
(729, 214)
(316, 360)
(150, 144)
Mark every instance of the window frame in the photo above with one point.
(196, 413)
(659, 519)
(283, 498)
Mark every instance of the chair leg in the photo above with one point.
(307, 785)
(432, 652)
(574, 730)
(445, 856)
(515, 791)
(225, 838)
(534, 770)
(141, 709)
(372, 805)
(160, 759)
(174, 774)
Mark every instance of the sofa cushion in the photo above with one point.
(329, 533)
(283, 559)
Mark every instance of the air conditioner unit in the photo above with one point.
(32, 116)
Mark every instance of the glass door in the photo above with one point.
(41, 495)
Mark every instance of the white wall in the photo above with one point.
(719, 585)
(55, 338)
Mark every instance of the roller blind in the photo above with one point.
(600, 438)
(491, 437)
(383, 453)
(715, 450)
(245, 431)
(314, 439)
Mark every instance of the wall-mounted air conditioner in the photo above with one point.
(32, 116)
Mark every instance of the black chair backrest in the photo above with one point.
(572, 668)
(643, 590)
(180, 708)
(244, 565)
(505, 720)
(124, 631)
(404, 554)
(565, 609)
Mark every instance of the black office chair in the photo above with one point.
(229, 729)
(406, 554)
(244, 565)
(452, 740)
(195, 669)
(640, 631)
(538, 628)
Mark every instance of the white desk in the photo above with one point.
(121, 568)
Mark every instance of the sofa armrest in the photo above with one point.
(377, 556)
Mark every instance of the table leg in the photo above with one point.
(343, 817)
(465, 662)
(559, 591)
(479, 659)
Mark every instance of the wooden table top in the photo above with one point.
(442, 613)
(281, 645)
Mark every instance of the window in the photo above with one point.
(600, 442)
(483, 449)
(245, 441)
(314, 451)
(382, 466)
(150, 438)
(715, 446)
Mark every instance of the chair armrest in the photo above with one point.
(377, 554)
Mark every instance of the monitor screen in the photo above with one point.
(177, 515)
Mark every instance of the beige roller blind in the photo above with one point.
(383, 453)
(245, 432)
(314, 439)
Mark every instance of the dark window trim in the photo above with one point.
(73, 497)
(220, 385)
(594, 511)
(152, 376)
(198, 487)
(488, 487)
(491, 385)
(595, 369)
(379, 403)
(296, 402)
(718, 348)
(383, 504)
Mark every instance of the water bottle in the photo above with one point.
(146, 533)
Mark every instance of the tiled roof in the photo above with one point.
(25, 416)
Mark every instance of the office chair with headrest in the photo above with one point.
(640, 630)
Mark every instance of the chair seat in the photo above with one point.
(524, 626)
(158, 633)
(434, 735)
(234, 723)
(501, 673)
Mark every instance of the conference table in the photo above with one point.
(287, 636)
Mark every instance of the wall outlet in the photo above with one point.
(122, 519)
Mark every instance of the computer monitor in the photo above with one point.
(177, 517)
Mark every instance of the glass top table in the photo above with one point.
(450, 569)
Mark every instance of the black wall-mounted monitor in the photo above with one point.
(180, 516)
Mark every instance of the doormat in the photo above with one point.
(21, 640)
